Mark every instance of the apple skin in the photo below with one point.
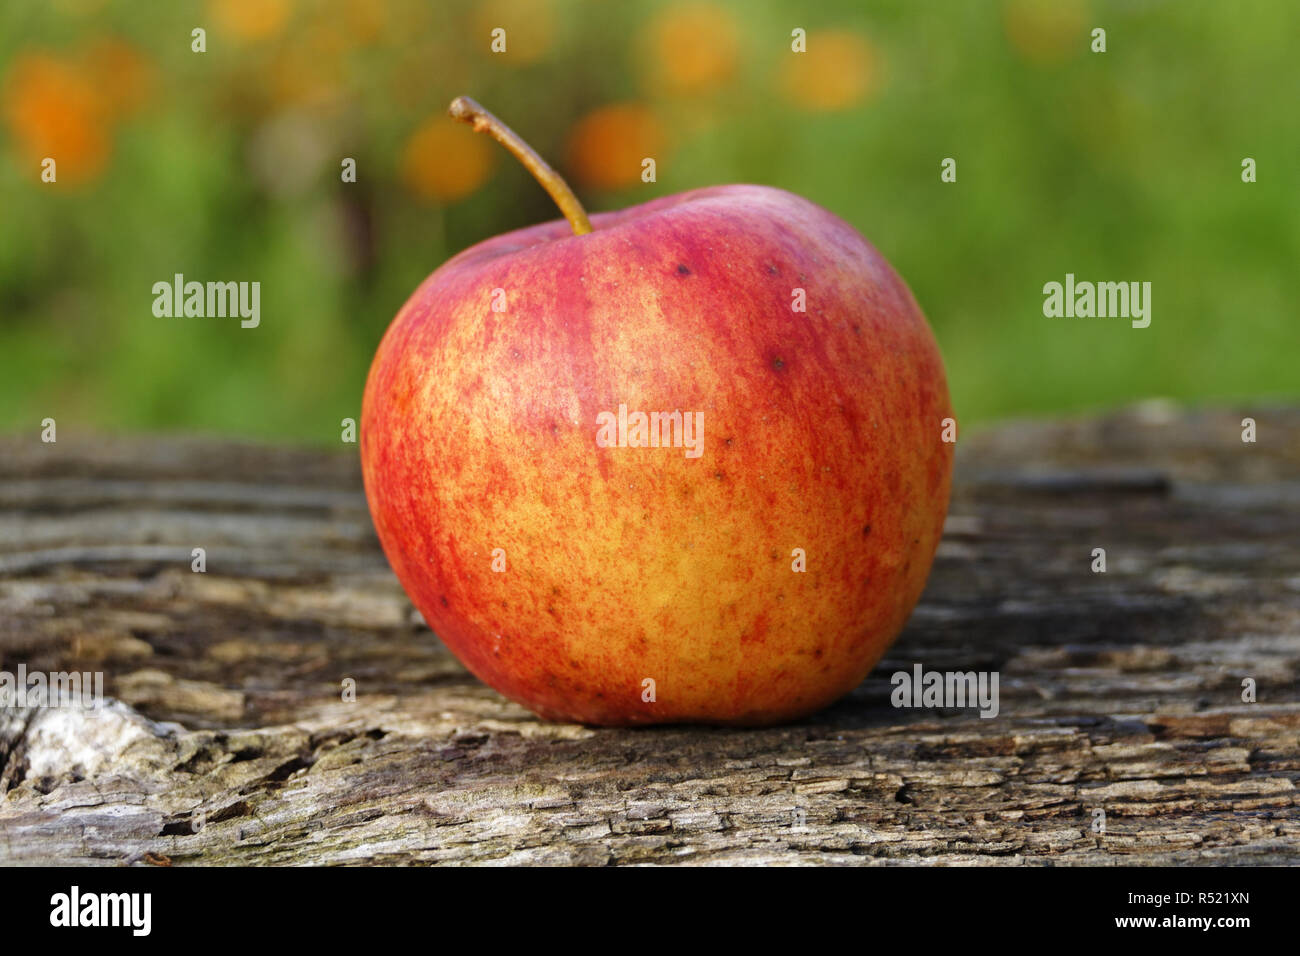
(821, 431)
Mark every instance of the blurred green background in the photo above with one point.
(225, 165)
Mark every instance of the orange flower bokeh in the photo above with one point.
(250, 19)
(607, 146)
(54, 108)
(445, 161)
(123, 76)
(64, 107)
(839, 70)
(529, 27)
(691, 49)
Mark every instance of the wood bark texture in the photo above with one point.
(225, 738)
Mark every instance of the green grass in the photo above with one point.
(1115, 166)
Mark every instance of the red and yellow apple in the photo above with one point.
(750, 579)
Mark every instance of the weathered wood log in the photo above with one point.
(226, 738)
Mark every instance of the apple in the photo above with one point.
(683, 462)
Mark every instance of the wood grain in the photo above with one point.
(226, 739)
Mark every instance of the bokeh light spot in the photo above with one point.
(445, 160)
(250, 19)
(1046, 31)
(839, 70)
(692, 48)
(607, 146)
(123, 76)
(529, 26)
(54, 108)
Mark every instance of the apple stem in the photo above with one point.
(468, 111)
